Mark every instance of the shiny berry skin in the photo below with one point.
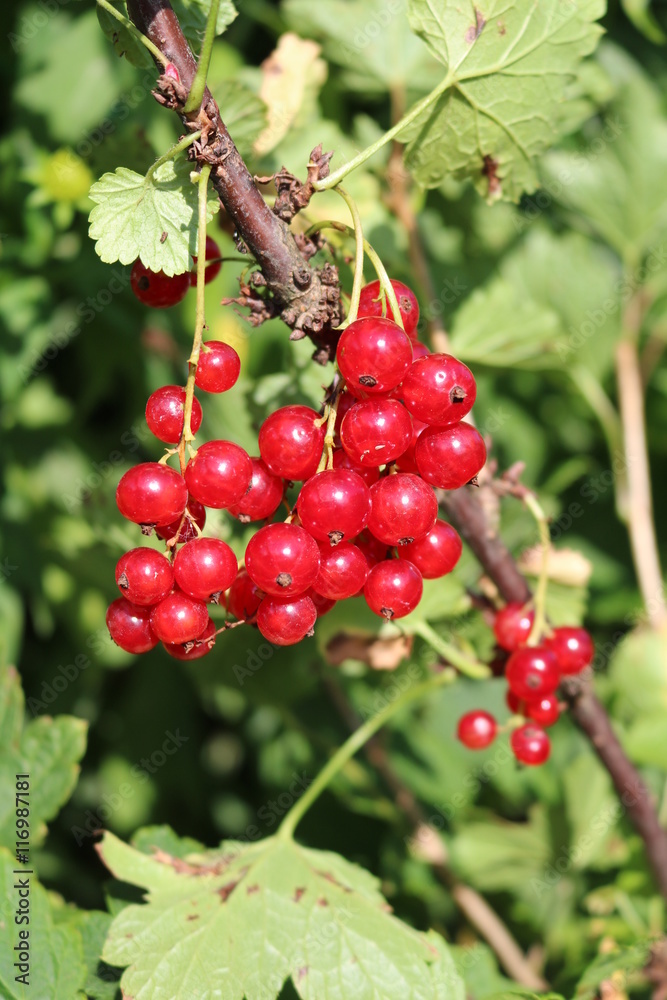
(373, 356)
(264, 495)
(286, 620)
(343, 571)
(374, 550)
(196, 648)
(341, 460)
(438, 389)
(376, 431)
(449, 457)
(129, 626)
(205, 568)
(477, 729)
(419, 350)
(512, 625)
(155, 288)
(218, 367)
(406, 462)
(345, 402)
(179, 618)
(545, 711)
(212, 270)
(436, 553)
(164, 413)
(393, 588)
(532, 672)
(370, 304)
(334, 505)
(150, 493)
(219, 474)
(530, 744)
(323, 605)
(403, 509)
(282, 559)
(144, 576)
(195, 513)
(290, 442)
(573, 649)
(244, 597)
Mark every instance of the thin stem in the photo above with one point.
(338, 175)
(358, 257)
(540, 600)
(187, 436)
(196, 95)
(134, 31)
(171, 154)
(463, 663)
(350, 747)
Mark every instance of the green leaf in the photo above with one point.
(506, 70)
(47, 749)
(57, 970)
(132, 213)
(639, 12)
(244, 114)
(192, 15)
(638, 673)
(123, 42)
(103, 981)
(501, 855)
(622, 960)
(243, 919)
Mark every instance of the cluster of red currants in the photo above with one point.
(533, 673)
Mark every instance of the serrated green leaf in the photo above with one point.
(57, 970)
(243, 112)
(47, 749)
(192, 15)
(103, 981)
(246, 917)
(500, 102)
(132, 213)
(123, 42)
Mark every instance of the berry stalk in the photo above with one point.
(134, 31)
(196, 95)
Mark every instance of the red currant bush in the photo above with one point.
(477, 729)
(155, 288)
(151, 493)
(165, 413)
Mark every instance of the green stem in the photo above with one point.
(358, 257)
(198, 87)
(352, 745)
(463, 663)
(540, 598)
(172, 154)
(610, 422)
(338, 175)
(133, 30)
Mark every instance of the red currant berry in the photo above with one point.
(393, 588)
(283, 559)
(219, 474)
(343, 571)
(205, 568)
(264, 495)
(178, 618)
(218, 367)
(530, 744)
(334, 505)
(419, 350)
(376, 431)
(129, 626)
(196, 648)
(371, 303)
(437, 553)
(144, 576)
(244, 597)
(438, 389)
(155, 288)
(544, 711)
(515, 704)
(573, 649)
(406, 462)
(532, 672)
(373, 356)
(512, 625)
(290, 442)
(286, 620)
(164, 413)
(151, 493)
(374, 550)
(323, 605)
(195, 514)
(477, 730)
(403, 508)
(345, 402)
(212, 270)
(449, 457)
(341, 460)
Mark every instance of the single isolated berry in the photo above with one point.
(436, 553)
(218, 367)
(438, 389)
(151, 493)
(334, 505)
(477, 729)
(164, 413)
(530, 744)
(532, 672)
(244, 596)
(376, 431)
(450, 457)
(573, 649)
(219, 474)
(155, 288)
(512, 625)
(144, 576)
(196, 648)
(179, 618)
(129, 626)
(404, 508)
(291, 441)
(263, 496)
(194, 514)
(373, 356)
(283, 559)
(205, 568)
(286, 620)
(343, 571)
(371, 303)
(393, 588)
(212, 270)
